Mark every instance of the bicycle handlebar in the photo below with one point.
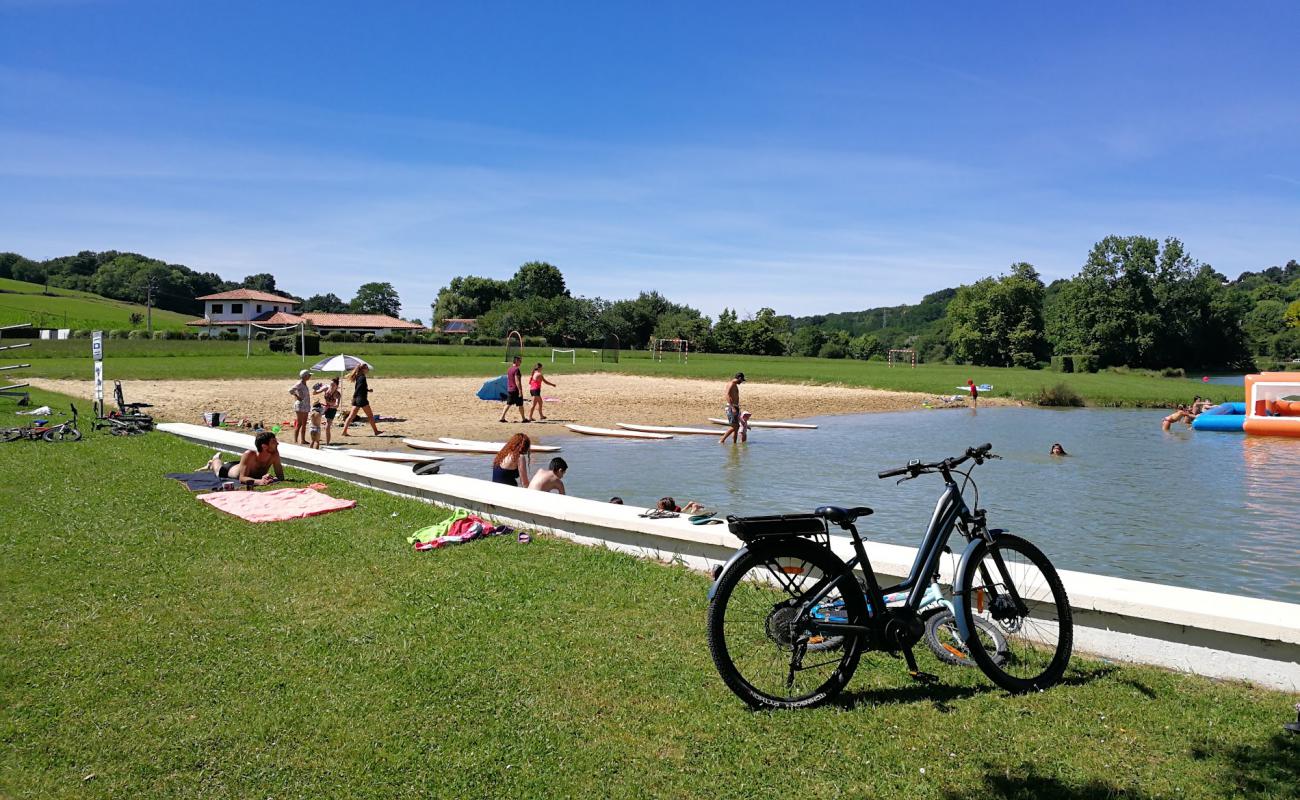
(915, 468)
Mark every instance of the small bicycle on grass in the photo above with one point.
(776, 645)
(64, 431)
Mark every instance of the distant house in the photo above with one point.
(459, 327)
(242, 310)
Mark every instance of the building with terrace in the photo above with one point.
(243, 311)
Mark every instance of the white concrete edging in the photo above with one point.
(1217, 635)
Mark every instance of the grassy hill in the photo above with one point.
(67, 308)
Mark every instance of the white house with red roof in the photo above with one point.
(244, 310)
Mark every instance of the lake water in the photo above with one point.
(1211, 511)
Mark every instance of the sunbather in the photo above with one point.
(255, 466)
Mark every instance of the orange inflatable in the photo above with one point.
(1269, 413)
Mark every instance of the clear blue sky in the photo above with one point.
(811, 157)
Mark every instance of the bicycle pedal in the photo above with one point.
(923, 677)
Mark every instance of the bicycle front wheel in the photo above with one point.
(944, 640)
(1012, 584)
(759, 623)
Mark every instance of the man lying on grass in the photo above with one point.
(253, 466)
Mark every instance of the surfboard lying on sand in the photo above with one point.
(668, 429)
(445, 447)
(625, 434)
(536, 448)
(768, 424)
(983, 387)
(389, 455)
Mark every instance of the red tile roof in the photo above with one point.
(248, 294)
(322, 320)
(265, 318)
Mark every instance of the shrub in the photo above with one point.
(138, 335)
(1062, 364)
(1086, 363)
(116, 333)
(1058, 395)
(79, 333)
(530, 341)
(228, 336)
(831, 350)
(336, 336)
(367, 337)
(1173, 372)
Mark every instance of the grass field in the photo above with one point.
(152, 647)
(65, 308)
(144, 360)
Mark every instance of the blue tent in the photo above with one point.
(494, 390)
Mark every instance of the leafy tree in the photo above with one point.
(1263, 322)
(998, 322)
(537, 279)
(864, 347)
(10, 261)
(764, 335)
(1292, 315)
(469, 297)
(376, 298)
(328, 303)
(807, 341)
(687, 324)
(262, 282)
(726, 332)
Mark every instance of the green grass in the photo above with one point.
(153, 360)
(66, 308)
(153, 647)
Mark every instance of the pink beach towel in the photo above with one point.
(276, 505)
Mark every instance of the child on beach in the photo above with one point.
(316, 422)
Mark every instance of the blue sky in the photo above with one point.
(810, 157)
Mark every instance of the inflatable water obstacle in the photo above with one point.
(1271, 408)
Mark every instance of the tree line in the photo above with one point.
(138, 279)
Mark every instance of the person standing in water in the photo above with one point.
(535, 382)
(974, 393)
(511, 462)
(732, 400)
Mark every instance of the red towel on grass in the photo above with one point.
(276, 505)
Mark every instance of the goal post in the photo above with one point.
(514, 346)
(573, 354)
(682, 347)
(609, 353)
(901, 355)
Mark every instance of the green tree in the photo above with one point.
(764, 335)
(537, 279)
(10, 261)
(998, 322)
(261, 282)
(726, 332)
(807, 341)
(376, 298)
(864, 347)
(469, 297)
(1292, 315)
(328, 303)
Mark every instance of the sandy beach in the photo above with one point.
(433, 407)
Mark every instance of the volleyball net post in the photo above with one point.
(903, 354)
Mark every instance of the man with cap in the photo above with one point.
(732, 399)
(301, 394)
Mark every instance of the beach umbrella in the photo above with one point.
(494, 389)
(339, 363)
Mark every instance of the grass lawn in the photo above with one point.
(144, 360)
(153, 647)
(66, 308)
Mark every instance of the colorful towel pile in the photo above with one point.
(460, 528)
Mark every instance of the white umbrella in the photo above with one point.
(339, 363)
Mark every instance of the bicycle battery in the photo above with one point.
(750, 529)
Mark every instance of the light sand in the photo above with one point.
(434, 407)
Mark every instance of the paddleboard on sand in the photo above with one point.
(668, 429)
(420, 444)
(388, 455)
(625, 434)
(983, 387)
(768, 424)
(536, 448)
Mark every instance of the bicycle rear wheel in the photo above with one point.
(1012, 584)
(761, 650)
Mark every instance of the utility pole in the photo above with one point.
(149, 288)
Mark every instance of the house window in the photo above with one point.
(259, 308)
(236, 308)
(216, 308)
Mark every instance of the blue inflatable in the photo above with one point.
(494, 389)
(1223, 417)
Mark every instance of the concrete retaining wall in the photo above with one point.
(1211, 634)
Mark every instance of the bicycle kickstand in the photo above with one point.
(915, 671)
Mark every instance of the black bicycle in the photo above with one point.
(774, 649)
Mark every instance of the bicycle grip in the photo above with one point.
(891, 473)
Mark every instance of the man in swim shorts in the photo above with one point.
(550, 479)
(732, 400)
(254, 467)
(514, 391)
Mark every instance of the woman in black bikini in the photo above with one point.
(360, 398)
(511, 462)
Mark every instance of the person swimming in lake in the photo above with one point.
(1182, 413)
(669, 504)
(511, 462)
(1057, 450)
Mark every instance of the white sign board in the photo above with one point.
(97, 352)
(97, 345)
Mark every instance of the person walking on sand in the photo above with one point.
(732, 400)
(535, 382)
(974, 393)
(511, 462)
(360, 398)
(514, 391)
(331, 396)
(301, 394)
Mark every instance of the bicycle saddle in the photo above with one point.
(841, 516)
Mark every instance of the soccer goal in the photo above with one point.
(514, 346)
(902, 356)
(682, 347)
(572, 354)
(609, 353)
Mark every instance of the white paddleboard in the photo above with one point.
(668, 429)
(769, 424)
(536, 448)
(983, 387)
(420, 444)
(615, 432)
(388, 455)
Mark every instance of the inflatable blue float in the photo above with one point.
(1223, 417)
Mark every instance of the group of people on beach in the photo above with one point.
(515, 391)
(1186, 413)
(311, 419)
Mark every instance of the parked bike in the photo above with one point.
(788, 620)
(64, 431)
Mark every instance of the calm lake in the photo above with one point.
(1211, 511)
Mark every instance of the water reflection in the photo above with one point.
(1207, 510)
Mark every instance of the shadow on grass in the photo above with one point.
(940, 694)
(1025, 781)
(1268, 769)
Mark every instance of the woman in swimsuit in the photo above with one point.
(511, 462)
(360, 398)
(331, 396)
(535, 382)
